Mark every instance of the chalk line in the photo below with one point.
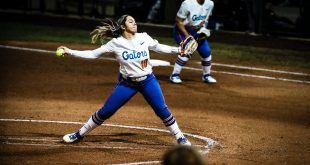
(196, 69)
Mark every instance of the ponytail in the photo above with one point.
(109, 29)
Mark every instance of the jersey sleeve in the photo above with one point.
(150, 41)
(160, 48)
(108, 47)
(183, 11)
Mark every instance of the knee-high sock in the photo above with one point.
(206, 65)
(173, 127)
(93, 122)
(179, 63)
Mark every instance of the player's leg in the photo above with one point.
(180, 61)
(206, 61)
(153, 95)
(121, 94)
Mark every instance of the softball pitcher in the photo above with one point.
(132, 52)
(192, 19)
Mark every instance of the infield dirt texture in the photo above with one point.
(254, 120)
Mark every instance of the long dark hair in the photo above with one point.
(109, 29)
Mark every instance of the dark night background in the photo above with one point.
(266, 17)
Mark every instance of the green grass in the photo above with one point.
(29, 32)
(261, 56)
(229, 53)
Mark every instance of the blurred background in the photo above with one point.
(267, 17)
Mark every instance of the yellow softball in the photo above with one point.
(60, 52)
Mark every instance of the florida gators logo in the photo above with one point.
(199, 17)
(133, 55)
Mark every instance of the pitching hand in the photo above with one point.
(66, 50)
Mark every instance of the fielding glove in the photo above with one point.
(188, 46)
(202, 34)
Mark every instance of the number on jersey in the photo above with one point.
(144, 63)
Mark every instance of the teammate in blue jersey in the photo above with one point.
(131, 50)
(192, 19)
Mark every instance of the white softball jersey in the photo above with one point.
(194, 13)
(133, 55)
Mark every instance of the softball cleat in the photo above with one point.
(72, 137)
(208, 79)
(175, 78)
(184, 141)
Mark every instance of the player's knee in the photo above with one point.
(204, 50)
(205, 53)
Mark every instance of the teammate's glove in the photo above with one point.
(202, 34)
(188, 46)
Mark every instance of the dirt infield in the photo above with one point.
(254, 120)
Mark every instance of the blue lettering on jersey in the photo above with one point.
(199, 17)
(133, 55)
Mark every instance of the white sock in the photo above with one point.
(177, 69)
(90, 125)
(175, 130)
(180, 62)
(206, 65)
